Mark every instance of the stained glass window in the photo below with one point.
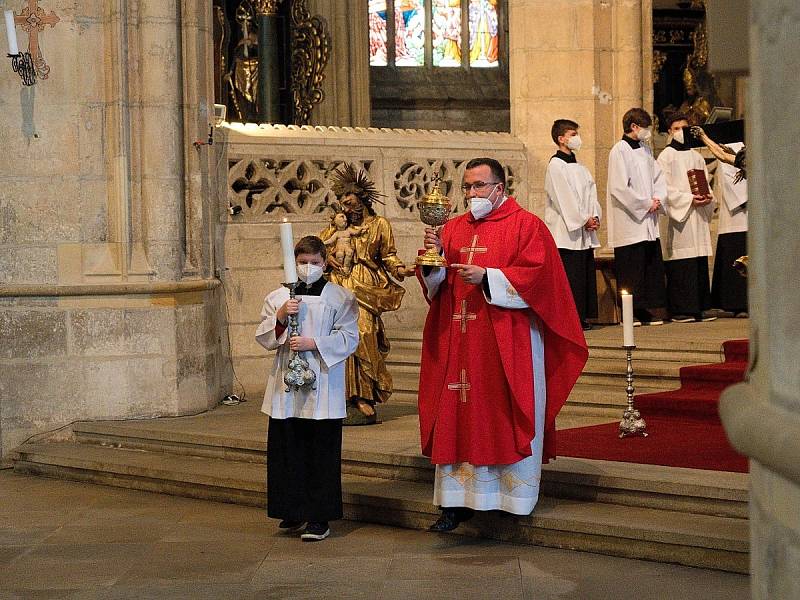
(483, 40)
(409, 33)
(446, 33)
(378, 56)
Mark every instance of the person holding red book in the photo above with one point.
(687, 241)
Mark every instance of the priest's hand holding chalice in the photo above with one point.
(434, 210)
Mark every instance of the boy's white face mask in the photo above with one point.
(574, 143)
(482, 206)
(309, 273)
(644, 134)
(678, 136)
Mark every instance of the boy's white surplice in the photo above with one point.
(687, 232)
(332, 320)
(731, 196)
(634, 179)
(511, 488)
(571, 202)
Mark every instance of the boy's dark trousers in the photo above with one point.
(304, 469)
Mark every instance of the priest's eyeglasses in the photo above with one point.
(478, 185)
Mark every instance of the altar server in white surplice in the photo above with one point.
(304, 443)
(687, 240)
(636, 194)
(572, 215)
(728, 288)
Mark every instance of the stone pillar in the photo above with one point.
(346, 84)
(585, 60)
(762, 416)
(108, 305)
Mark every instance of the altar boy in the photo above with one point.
(636, 193)
(572, 215)
(304, 443)
(687, 242)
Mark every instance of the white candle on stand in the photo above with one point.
(627, 319)
(287, 245)
(11, 32)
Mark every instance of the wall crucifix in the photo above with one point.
(33, 19)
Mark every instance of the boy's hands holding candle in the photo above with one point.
(300, 344)
(290, 307)
(296, 342)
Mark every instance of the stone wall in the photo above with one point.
(107, 297)
(276, 172)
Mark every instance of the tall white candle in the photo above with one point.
(11, 33)
(627, 319)
(287, 245)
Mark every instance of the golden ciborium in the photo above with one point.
(434, 210)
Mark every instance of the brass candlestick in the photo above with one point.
(434, 210)
(632, 422)
(298, 375)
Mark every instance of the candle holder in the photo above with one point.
(298, 375)
(632, 422)
(22, 64)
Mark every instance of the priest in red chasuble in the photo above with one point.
(502, 348)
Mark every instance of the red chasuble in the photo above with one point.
(476, 383)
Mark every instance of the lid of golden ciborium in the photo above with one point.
(434, 210)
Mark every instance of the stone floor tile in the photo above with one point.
(324, 590)
(216, 562)
(252, 533)
(619, 585)
(104, 532)
(71, 567)
(66, 594)
(174, 591)
(321, 569)
(22, 536)
(464, 588)
(454, 566)
(9, 553)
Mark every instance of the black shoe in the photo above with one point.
(291, 526)
(316, 532)
(451, 518)
(587, 326)
(705, 318)
(683, 318)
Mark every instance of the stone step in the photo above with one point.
(682, 490)
(635, 532)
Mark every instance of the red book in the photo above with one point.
(698, 182)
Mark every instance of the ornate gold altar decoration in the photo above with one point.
(434, 210)
(33, 19)
(242, 79)
(311, 49)
(698, 82)
(266, 7)
(659, 58)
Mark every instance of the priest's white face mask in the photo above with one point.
(480, 206)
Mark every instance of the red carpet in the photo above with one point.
(684, 425)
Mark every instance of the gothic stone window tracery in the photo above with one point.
(414, 179)
(265, 187)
